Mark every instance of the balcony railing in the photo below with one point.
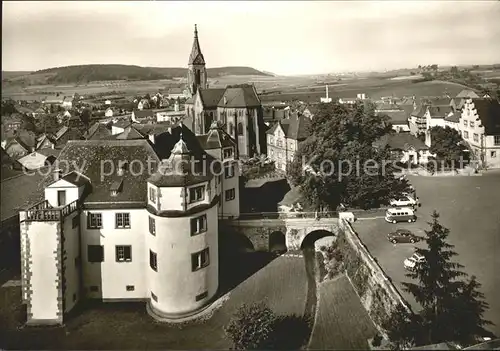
(42, 211)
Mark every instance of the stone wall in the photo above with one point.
(377, 293)
(257, 235)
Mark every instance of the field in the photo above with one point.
(342, 322)
(282, 284)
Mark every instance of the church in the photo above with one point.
(237, 108)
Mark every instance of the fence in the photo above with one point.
(286, 215)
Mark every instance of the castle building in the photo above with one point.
(237, 108)
(130, 220)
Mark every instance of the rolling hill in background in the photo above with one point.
(92, 73)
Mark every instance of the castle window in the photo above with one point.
(152, 195)
(496, 140)
(240, 129)
(231, 128)
(95, 253)
(228, 152)
(200, 260)
(95, 221)
(471, 123)
(198, 225)
(130, 288)
(75, 221)
(122, 220)
(152, 225)
(228, 171)
(123, 253)
(153, 261)
(475, 137)
(196, 194)
(230, 194)
(201, 296)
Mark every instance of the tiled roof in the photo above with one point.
(76, 179)
(91, 155)
(295, 127)
(467, 93)
(488, 111)
(173, 175)
(400, 141)
(440, 101)
(16, 192)
(189, 101)
(122, 123)
(154, 129)
(9, 166)
(440, 111)
(396, 117)
(49, 152)
(454, 118)
(420, 110)
(130, 133)
(386, 107)
(143, 113)
(240, 96)
(216, 138)
(210, 97)
(98, 131)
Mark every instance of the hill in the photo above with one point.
(92, 73)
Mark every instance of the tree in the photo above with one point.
(48, 122)
(8, 107)
(335, 153)
(402, 328)
(446, 296)
(85, 117)
(251, 327)
(446, 143)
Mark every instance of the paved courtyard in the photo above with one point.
(470, 208)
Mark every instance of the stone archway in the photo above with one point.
(277, 242)
(312, 237)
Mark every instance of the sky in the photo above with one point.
(283, 37)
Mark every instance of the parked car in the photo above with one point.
(400, 214)
(412, 261)
(404, 201)
(402, 236)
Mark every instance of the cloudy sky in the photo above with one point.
(282, 37)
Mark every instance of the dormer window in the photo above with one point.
(196, 194)
(228, 152)
(116, 187)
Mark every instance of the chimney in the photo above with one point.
(176, 106)
(56, 174)
(225, 100)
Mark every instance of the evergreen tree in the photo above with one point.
(452, 306)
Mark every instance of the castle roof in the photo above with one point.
(210, 97)
(216, 138)
(196, 57)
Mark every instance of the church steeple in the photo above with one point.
(196, 57)
(197, 73)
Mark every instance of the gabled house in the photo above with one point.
(119, 126)
(20, 145)
(404, 148)
(436, 115)
(37, 160)
(66, 134)
(109, 112)
(143, 104)
(45, 142)
(97, 131)
(67, 102)
(479, 125)
(143, 116)
(284, 137)
(418, 119)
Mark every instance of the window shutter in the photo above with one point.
(128, 252)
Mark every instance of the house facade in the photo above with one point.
(124, 235)
(284, 137)
(479, 125)
(405, 148)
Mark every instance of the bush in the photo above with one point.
(377, 340)
(251, 326)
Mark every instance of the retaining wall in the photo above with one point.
(377, 293)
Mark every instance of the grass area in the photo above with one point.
(342, 322)
(282, 284)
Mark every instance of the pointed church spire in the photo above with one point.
(196, 57)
